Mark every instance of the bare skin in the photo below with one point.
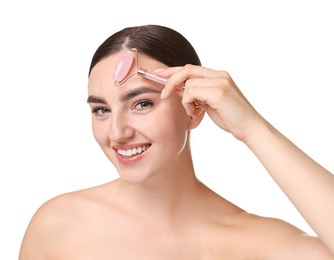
(90, 225)
(158, 209)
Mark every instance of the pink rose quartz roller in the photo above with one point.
(124, 65)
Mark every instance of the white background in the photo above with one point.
(280, 53)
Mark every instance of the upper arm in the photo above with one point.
(34, 241)
(301, 247)
(43, 231)
(288, 242)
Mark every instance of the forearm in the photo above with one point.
(307, 184)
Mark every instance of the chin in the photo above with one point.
(135, 178)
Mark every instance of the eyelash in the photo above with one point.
(141, 102)
(99, 110)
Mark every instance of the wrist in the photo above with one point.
(258, 132)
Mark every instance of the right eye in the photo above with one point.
(100, 111)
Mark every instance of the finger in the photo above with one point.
(167, 72)
(192, 70)
(179, 75)
(206, 92)
(194, 109)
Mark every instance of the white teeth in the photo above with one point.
(133, 151)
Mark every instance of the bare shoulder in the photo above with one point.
(277, 239)
(57, 221)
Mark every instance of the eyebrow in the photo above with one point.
(136, 92)
(96, 99)
(125, 97)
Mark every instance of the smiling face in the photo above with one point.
(140, 133)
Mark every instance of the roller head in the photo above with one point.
(123, 65)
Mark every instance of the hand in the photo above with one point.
(206, 90)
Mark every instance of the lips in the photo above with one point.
(132, 151)
(130, 154)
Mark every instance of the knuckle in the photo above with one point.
(223, 86)
(188, 67)
(226, 74)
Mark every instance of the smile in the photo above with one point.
(133, 151)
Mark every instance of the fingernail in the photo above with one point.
(163, 93)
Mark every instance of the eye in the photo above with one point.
(100, 111)
(143, 104)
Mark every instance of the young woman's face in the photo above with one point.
(138, 131)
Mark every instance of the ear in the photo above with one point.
(195, 121)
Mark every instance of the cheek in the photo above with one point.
(171, 125)
(100, 133)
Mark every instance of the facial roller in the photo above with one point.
(124, 65)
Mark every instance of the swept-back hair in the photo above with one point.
(159, 42)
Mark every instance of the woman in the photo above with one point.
(158, 209)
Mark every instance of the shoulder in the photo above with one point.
(277, 239)
(47, 226)
(57, 221)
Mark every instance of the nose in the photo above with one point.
(120, 130)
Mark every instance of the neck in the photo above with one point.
(166, 195)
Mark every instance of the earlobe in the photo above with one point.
(195, 121)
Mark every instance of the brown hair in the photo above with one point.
(159, 42)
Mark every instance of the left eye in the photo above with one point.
(143, 104)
